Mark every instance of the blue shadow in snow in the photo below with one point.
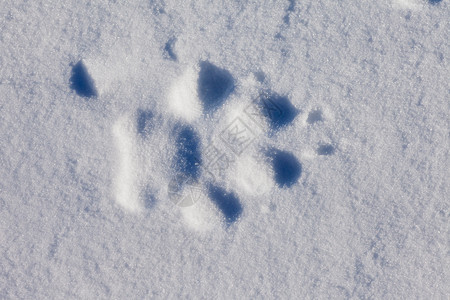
(81, 82)
(188, 155)
(314, 116)
(286, 167)
(228, 203)
(144, 122)
(325, 150)
(149, 198)
(277, 109)
(290, 9)
(214, 85)
(434, 2)
(168, 49)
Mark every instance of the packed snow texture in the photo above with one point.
(224, 149)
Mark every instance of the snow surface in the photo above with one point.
(224, 149)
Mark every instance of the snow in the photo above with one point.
(183, 101)
(125, 183)
(224, 149)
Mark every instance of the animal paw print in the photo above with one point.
(214, 150)
(208, 148)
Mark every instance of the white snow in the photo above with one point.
(224, 149)
(251, 176)
(126, 176)
(183, 100)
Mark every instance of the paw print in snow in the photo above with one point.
(215, 152)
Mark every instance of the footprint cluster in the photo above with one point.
(191, 161)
